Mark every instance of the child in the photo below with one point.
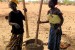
(55, 19)
(15, 19)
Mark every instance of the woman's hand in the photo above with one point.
(6, 17)
(39, 22)
(58, 29)
(25, 10)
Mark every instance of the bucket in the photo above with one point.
(30, 46)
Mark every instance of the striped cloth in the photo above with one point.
(15, 42)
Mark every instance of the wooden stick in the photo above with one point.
(38, 22)
(27, 31)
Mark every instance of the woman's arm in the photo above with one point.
(43, 22)
(62, 19)
(14, 24)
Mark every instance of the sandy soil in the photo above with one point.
(33, 9)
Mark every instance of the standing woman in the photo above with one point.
(55, 19)
(15, 19)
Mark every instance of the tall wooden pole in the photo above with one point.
(37, 31)
(27, 31)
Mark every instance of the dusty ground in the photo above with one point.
(68, 26)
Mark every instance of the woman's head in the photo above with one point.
(12, 5)
(52, 3)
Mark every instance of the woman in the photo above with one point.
(55, 19)
(15, 19)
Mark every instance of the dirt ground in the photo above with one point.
(33, 9)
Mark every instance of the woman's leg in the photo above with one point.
(52, 39)
(17, 43)
(11, 43)
(59, 33)
(20, 41)
(13, 37)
